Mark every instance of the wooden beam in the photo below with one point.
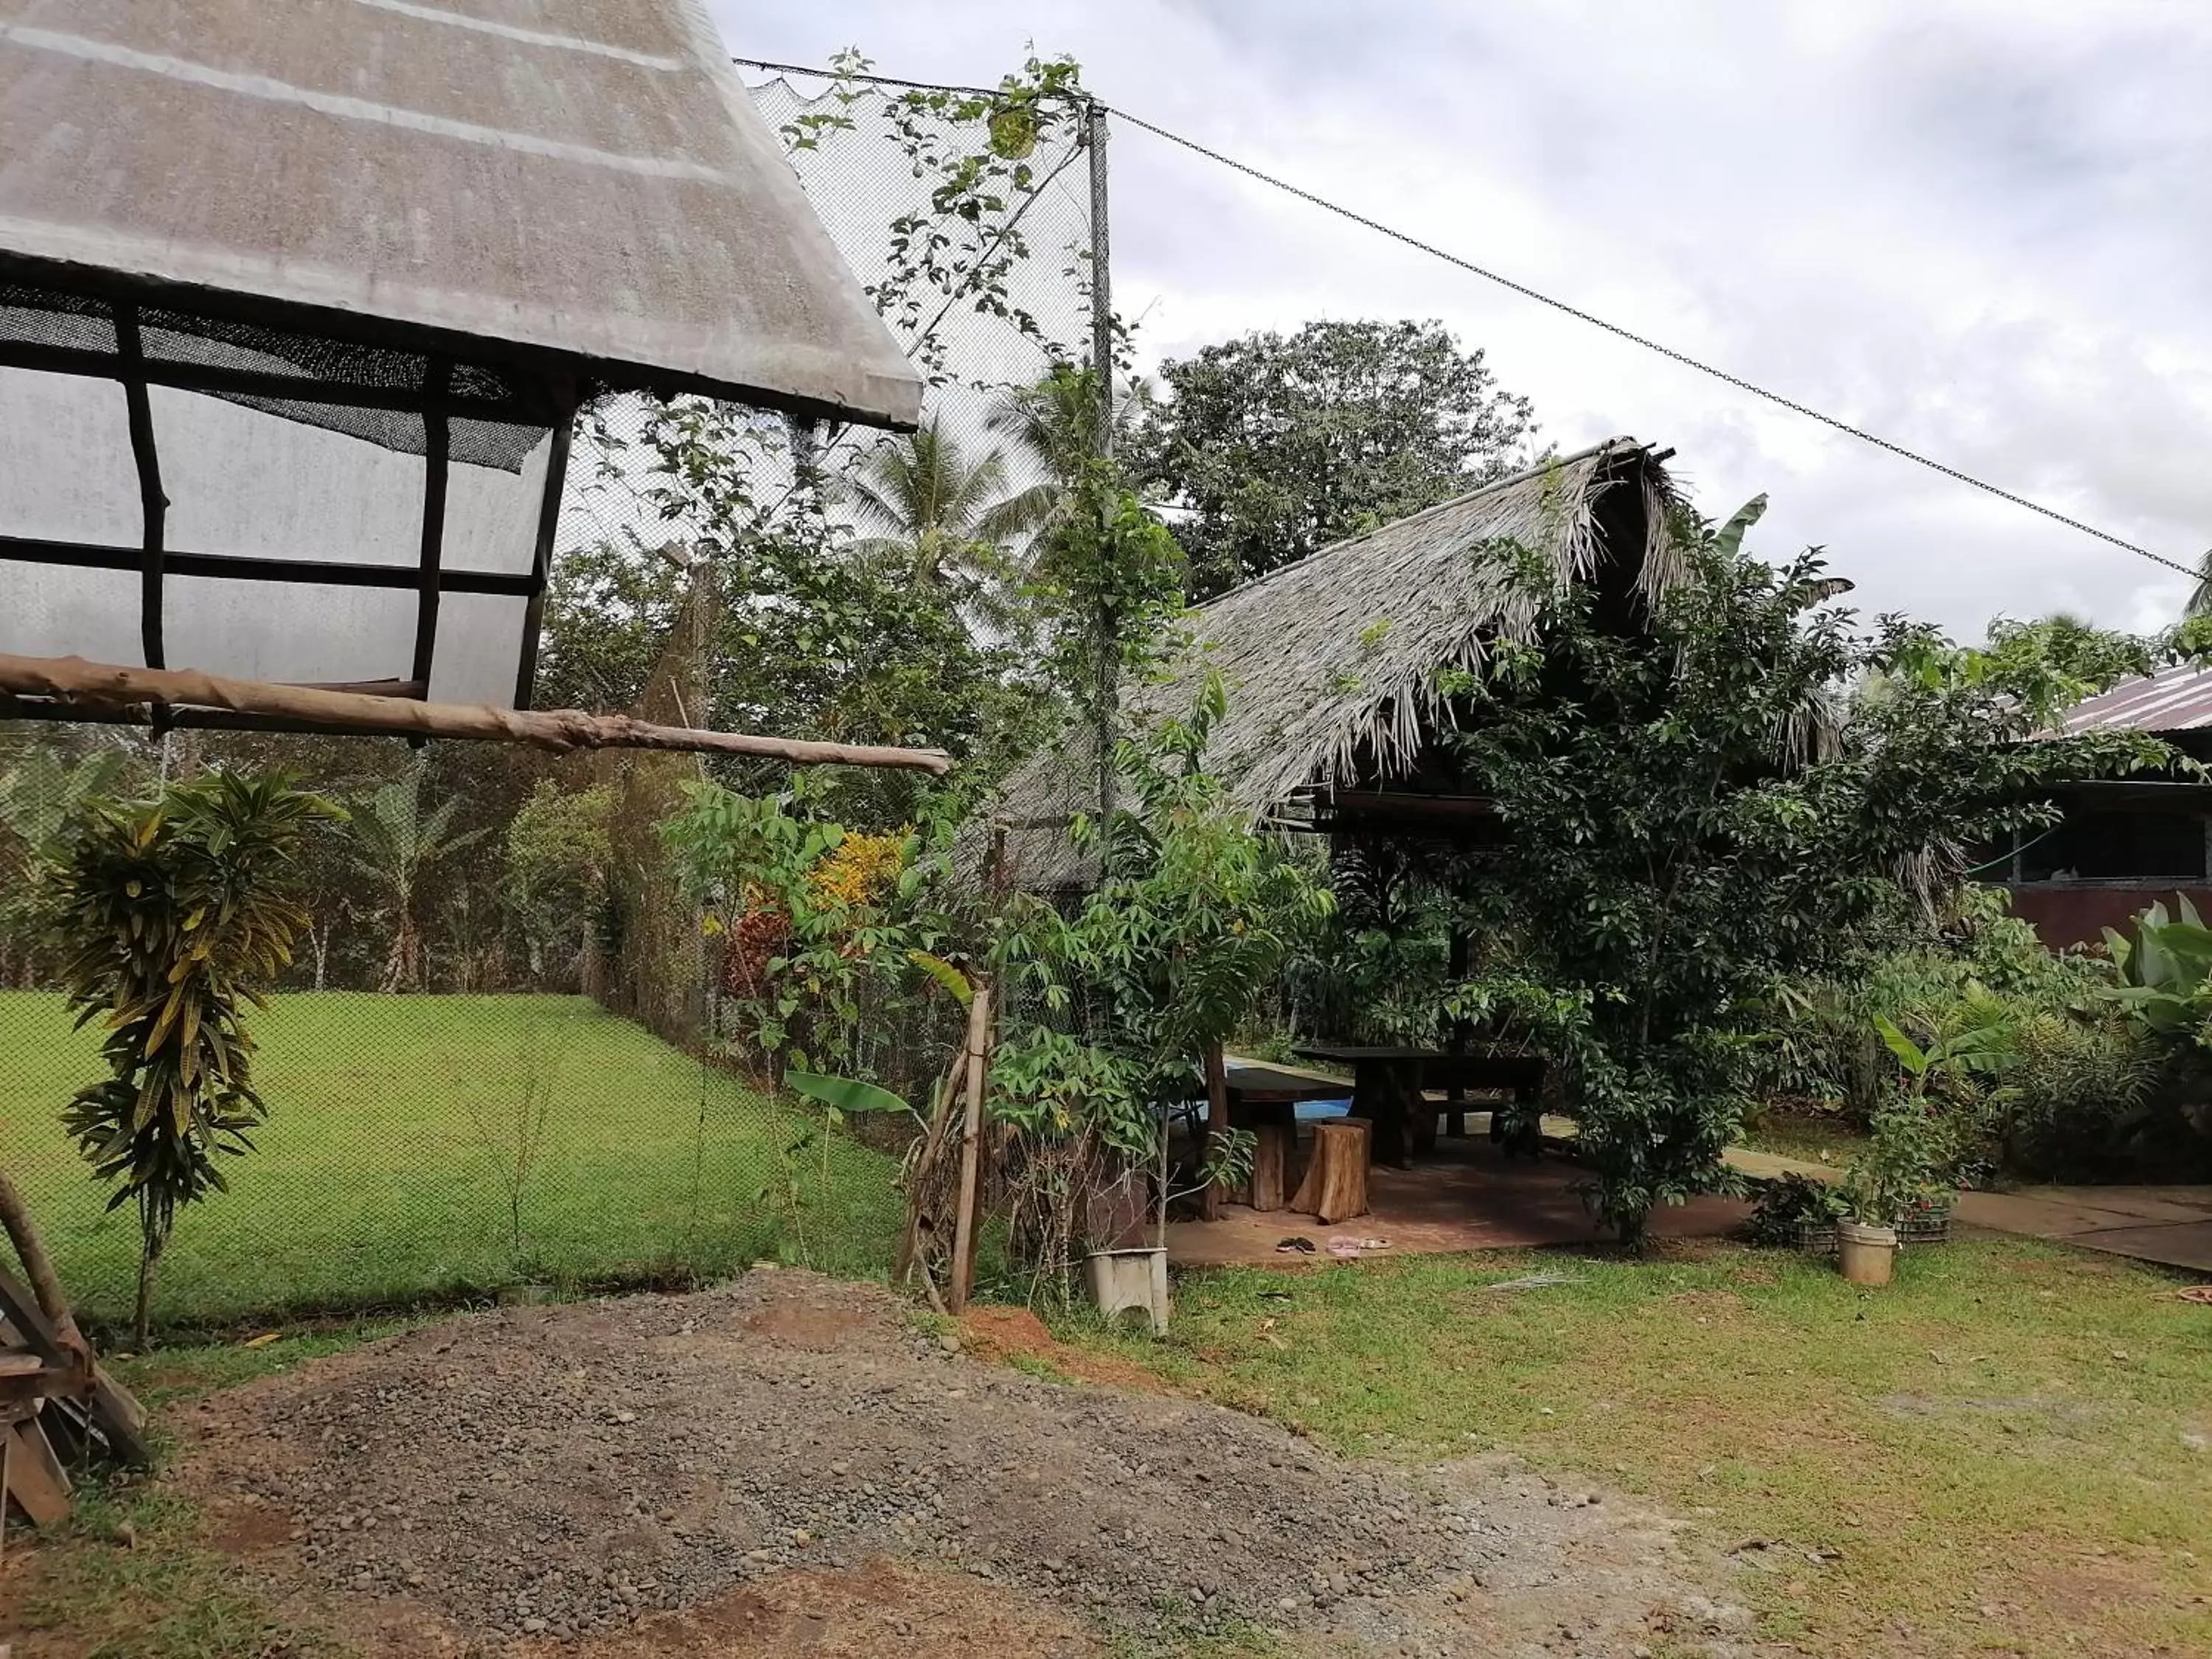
(541, 556)
(35, 1477)
(31, 1249)
(437, 453)
(72, 684)
(253, 567)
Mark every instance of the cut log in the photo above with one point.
(82, 690)
(1270, 1162)
(1335, 1187)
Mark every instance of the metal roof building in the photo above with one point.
(2175, 699)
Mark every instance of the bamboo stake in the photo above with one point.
(963, 1216)
(109, 690)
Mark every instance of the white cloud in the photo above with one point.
(1981, 229)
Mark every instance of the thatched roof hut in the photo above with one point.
(1332, 663)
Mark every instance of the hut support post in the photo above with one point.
(1217, 1127)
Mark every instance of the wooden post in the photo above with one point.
(1218, 1124)
(38, 1267)
(964, 1217)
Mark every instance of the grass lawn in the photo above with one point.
(2006, 1452)
(1816, 1140)
(385, 1169)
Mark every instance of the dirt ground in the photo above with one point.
(789, 1465)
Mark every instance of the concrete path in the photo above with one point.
(2171, 1225)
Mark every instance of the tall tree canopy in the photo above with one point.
(1276, 445)
(1690, 816)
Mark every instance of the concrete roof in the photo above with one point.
(583, 176)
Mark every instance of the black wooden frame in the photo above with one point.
(552, 401)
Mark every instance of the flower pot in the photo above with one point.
(1122, 1280)
(1817, 1237)
(1868, 1254)
(1929, 1226)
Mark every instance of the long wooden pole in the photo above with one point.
(38, 1267)
(106, 689)
(965, 1218)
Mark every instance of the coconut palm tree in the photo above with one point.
(397, 844)
(2200, 597)
(1057, 421)
(921, 499)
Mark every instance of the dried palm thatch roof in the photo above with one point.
(586, 177)
(1332, 663)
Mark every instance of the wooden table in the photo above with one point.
(1264, 1099)
(1388, 1083)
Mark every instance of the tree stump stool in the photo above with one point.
(1271, 1145)
(1335, 1187)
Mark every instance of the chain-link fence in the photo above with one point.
(522, 1096)
(489, 1065)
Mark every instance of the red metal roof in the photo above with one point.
(2176, 699)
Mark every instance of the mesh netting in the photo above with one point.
(32, 315)
(982, 307)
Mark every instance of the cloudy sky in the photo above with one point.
(1983, 230)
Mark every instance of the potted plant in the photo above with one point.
(1896, 1177)
(1795, 1211)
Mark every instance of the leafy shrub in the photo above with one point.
(1787, 1204)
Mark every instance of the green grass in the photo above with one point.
(2006, 1448)
(1816, 1140)
(380, 1178)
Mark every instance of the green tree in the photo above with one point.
(176, 914)
(1192, 917)
(2059, 659)
(608, 611)
(817, 636)
(1275, 445)
(397, 845)
(1060, 422)
(942, 516)
(1689, 818)
(45, 781)
(557, 854)
(1108, 591)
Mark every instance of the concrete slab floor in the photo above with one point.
(1472, 1196)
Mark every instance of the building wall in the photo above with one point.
(2067, 914)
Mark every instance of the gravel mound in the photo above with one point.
(558, 1474)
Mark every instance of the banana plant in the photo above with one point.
(1982, 1050)
(2165, 972)
(842, 1097)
